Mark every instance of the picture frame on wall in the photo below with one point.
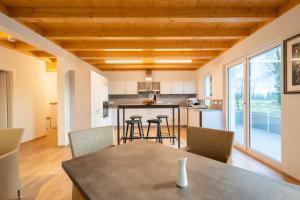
(292, 65)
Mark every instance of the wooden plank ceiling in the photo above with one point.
(146, 32)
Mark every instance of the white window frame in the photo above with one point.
(260, 156)
(207, 98)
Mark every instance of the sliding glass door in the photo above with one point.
(236, 102)
(265, 103)
(254, 103)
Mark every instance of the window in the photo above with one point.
(236, 101)
(265, 103)
(207, 89)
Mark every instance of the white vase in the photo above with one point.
(182, 180)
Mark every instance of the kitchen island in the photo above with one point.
(123, 107)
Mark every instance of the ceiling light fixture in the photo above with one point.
(173, 61)
(123, 49)
(173, 49)
(123, 61)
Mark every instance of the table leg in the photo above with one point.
(178, 128)
(173, 124)
(118, 125)
(123, 121)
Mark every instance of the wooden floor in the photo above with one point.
(43, 178)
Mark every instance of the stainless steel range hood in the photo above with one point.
(148, 85)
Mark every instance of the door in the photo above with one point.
(236, 102)
(254, 104)
(3, 100)
(265, 103)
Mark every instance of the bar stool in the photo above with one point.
(165, 117)
(131, 123)
(158, 134)
(140, 125)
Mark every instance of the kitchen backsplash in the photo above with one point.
(165, 98)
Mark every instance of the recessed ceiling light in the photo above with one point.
(173, 61)
(173, 49)
(123, 61)
(123, 49)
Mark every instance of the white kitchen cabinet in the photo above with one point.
(166, 87)
(131, 87)
(189, 87)
(193, 117)
(111, 87)
(120, 87)
(205, 118)
(177, 87)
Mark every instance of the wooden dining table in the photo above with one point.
(146, 170)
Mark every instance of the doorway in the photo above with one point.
(5, 99)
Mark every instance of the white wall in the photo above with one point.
(282, 28)
(156, 75)
(29, 92)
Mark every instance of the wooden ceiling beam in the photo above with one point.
(124, 34)
(146, 54)
(150, 66)
(144, 14)
(4, 9)
(288, 5)
(42, 54)
(148, 45)
(24, 46)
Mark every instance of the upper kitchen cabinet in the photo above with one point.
(177, 87)
(166, 87)
(111, 87)
(122, 87)
(131, 87)
(189, 87)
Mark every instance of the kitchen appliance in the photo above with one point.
(192, 101)
(148, 85)
(105, 109)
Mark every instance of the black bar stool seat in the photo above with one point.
(131, 123)
(158, 133)
(154, 121)
(140, 125)
(162, 116)
(165, 117)
(136, 117)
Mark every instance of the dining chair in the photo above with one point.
(88, 141)
(211, 143)
(10, 185)
(91, 140)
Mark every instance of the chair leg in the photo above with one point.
(168, 129)
(148, 130)
(140, 131)
(160, 135)
(19, 194)
(157, 133)
(142, 128)
(132, 132)
(127, 126)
